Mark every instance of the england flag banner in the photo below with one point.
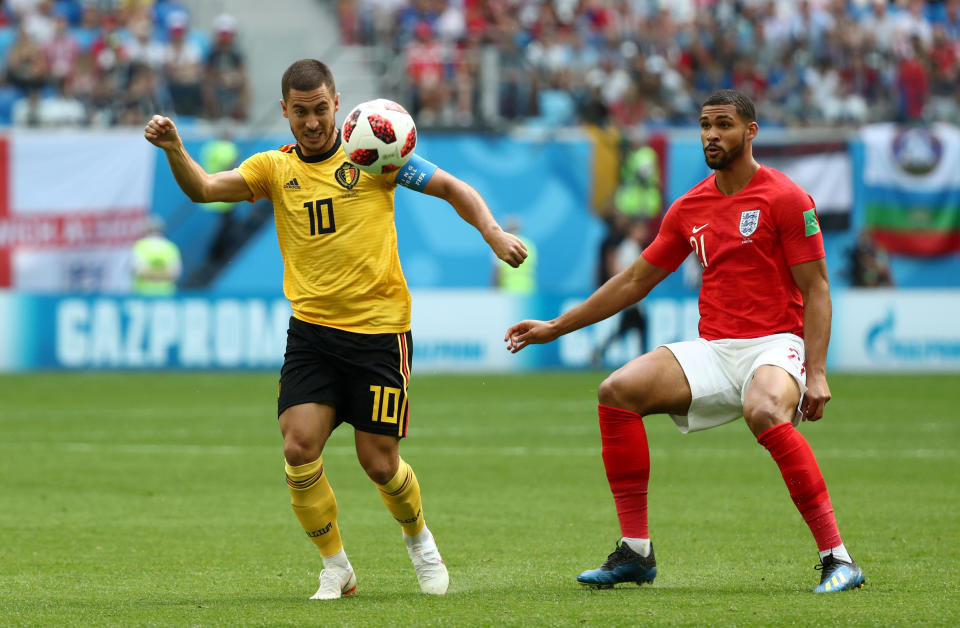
(71, 206)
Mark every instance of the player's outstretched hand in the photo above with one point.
(816, 397)
(162, 132)
(529, 333)
(509, 248)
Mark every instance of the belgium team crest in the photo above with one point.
(749, 221)
(347, 175)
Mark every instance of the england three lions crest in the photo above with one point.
(749, 220)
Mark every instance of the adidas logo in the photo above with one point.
(291, 184)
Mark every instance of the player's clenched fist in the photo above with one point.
(162, 132)
(510, 248)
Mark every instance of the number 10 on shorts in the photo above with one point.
(386, 404)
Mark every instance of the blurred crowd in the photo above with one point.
(651, 62)
(116, 62)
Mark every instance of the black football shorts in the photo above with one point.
(363, 376)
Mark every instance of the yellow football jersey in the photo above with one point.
(337, 236)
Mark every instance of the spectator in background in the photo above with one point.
(882, 24)
(102, 106)
(61, 51)
(945, 77)
(862, 78)
(155, 262)
(40, 22)
(810, 25)
(143, 47)
(89, 28)
(911, 28)
(913, 85)
(869, 266)
(26, 64)
(183, 67)
(226, 87)
(83, 78)
(141, 97)
(466, 80)
(107, 47)
(515, 90)
(630, 109)
(951, 19)
(425, 70)
(409, 16)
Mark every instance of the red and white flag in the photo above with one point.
(71, 206)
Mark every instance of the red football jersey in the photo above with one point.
(746, 244)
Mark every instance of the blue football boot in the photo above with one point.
(623, 565)
(838, 575)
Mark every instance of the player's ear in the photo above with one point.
(283, 107)
(336, 102)
(752, 129)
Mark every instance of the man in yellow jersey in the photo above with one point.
(349, 348)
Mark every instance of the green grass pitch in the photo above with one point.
(159, 499)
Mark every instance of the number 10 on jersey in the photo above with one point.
(321, 216)
(386, 404)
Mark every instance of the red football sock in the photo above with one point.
(804, 480)
(626, 457)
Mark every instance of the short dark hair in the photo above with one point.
(307, 75)
(744, 106)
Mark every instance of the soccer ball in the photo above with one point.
(379, 136)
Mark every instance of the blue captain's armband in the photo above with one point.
(415, 173)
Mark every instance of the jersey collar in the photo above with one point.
(312, 159)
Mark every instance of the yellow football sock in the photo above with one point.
(315, 505)
(402, 497)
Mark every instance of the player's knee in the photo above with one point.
(615, 392)
(298, 451)
(380, 470)
(762, 416)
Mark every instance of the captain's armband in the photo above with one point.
(416, 173)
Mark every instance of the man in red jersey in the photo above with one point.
(764, 328)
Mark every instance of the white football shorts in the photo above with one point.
(719, 372)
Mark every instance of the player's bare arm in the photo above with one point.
(811, 278)
(196, 183)
(623, 289)
(473, 209)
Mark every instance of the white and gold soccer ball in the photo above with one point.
(378, 136)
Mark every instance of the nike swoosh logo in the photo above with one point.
(696, 229)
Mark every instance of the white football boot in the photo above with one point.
(336, 582)
(431, 572)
